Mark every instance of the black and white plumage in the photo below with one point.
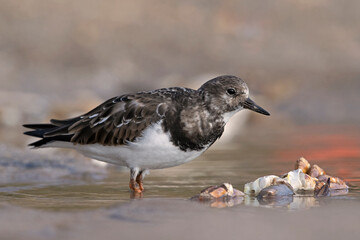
(150, 130)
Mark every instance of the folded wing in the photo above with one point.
(117, 121)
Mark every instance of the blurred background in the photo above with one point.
(61, 58)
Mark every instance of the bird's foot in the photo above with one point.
(136, 188)
(139, 179)
(136, 180)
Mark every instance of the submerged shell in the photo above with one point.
(253, 188)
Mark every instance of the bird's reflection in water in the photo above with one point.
(136, 195)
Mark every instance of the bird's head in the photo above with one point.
(229, 94)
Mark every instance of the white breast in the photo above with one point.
(228, 115)
(153, 150)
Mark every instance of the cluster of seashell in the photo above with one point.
(305, 178)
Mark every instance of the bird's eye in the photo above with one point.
(231, 91)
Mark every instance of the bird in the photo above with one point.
(147, 130)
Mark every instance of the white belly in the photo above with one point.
(152, 151)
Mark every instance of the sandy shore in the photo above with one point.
(180, 219)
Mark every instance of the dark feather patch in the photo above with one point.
(50, 139)
(39, 126)
(115, 122)
(64, 122)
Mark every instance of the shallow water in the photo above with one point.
(78, 189)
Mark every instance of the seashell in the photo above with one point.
(322, 189)
(253, 188)
(316, 171)
(217, 192)
(300, 181)
(278, 190)
(335, 182)
(302, 164)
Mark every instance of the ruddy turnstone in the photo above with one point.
(150, 130)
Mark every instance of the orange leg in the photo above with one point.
(135, 183)
(139, 180)
(133, 186)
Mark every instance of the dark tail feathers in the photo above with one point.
(42, 130)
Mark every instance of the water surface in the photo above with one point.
(74, 188)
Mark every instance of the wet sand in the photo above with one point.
(180, 219)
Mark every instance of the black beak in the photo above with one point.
(250, 104)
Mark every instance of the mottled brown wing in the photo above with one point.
(119, 120)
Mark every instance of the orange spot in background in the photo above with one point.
(323, 154)
(340, 150)
(322, 144)
(348, 180)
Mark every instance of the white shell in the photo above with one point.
(256, 186)
(300, 181)
(230, 189)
